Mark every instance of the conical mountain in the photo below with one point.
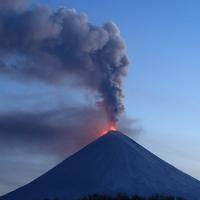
(112, 164)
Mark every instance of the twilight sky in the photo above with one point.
(161, 89)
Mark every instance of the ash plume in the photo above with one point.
(50, 45)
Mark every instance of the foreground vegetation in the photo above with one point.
(125, 197)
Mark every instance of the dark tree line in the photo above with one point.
(125, 197)
(135, 197)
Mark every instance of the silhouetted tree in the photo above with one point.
(136, 197)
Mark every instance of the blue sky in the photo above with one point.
(162, 86)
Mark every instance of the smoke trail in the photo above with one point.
(50, 45)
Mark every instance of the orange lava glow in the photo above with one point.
(110, 127)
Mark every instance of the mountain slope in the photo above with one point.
(112, 164)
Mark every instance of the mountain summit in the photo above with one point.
(112, 164)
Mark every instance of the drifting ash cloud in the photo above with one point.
(58, 132)
(51, 45)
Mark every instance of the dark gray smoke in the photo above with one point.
(57, 131)
(50, 45)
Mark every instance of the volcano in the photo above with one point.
(112, 164)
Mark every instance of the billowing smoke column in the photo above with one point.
(50, 45)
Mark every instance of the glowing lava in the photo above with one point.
(110, 127)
